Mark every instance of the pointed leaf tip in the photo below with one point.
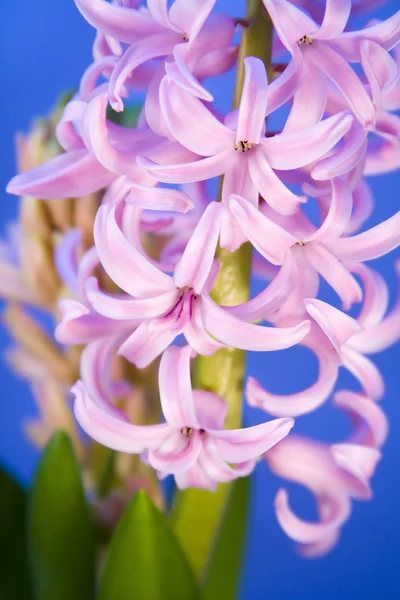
(145, 560)
(61, 545)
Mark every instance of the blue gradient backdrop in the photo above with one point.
(44, 47)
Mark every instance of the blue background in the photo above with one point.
(44, 47)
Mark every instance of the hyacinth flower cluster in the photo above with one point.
(155, 294)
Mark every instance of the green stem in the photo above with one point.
(197, 513)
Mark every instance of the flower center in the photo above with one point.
(185, 37)
(305, 40)
(187, 431)
(244, 146)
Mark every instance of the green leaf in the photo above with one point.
(60, 530)
(14, 571)
(127, 118)
(145, 560)
(224, 566)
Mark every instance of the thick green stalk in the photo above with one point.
(197, 513)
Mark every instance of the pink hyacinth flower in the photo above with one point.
(170, 305)
(192, 444)
(99, 153)
(325, 52)
(239, 148)
(186, 31)
(334, 474)
(322, 251)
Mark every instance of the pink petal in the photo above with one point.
(363, 204)
(159, 198)
(176, 388)
(73, 174)
(332, 270)
(137, 54)
(375, 242)
(240, 445)
(197, 336)
(337, 13)
(111, 431)
(194, 267)
(343, 160)
(266, 236)
(306, 532)
(365, 372)
(359, 461)
(386, 34)
(311, 93)
(181, 460)
(339, 213)
(290, 23)
(269, 299)
(370, 424)
(124, 24)
(283, 87)
(376, 296)
(287, 151)
(198, 170)
(253, 103)
(144, 345)
(274, 192)
(217, 469)
(160, 13)
(126, 267)
(180, 74)
(379, 67)
(294, 405)
(210, 409)
(339, 71)
(190, 15)
(122, 307)
(191, 123)
(233, 332)
(337, 326)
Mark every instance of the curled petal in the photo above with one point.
(252, 109)
(158, 198)
(112, 431)
(176, 389)
(182, 459)
(194, 267)
(379, 67)
(73, 174)
(288, 151)
(123, 307)
(131, 271)
(376, 296)
(271, 240)
(290, 23)
(365, 372)
(198, 170)
(340, 72)
(271, 188)
(375, 242)
(332, 270)
(337, 13)
(240, 445)
(369, 421)
(125, 24)
(311, 93)
(191, 123)
(360, 462)
(339, 212)
(386, 34)
(337, 326)
(233, 332)
(294, 405)
(137, 54)
(144, 345)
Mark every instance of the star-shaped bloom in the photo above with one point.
(192, 444)
(325, 51)
(315, 251)
(239, 149)
(168, 305)
(186, 31)
(97, 153)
